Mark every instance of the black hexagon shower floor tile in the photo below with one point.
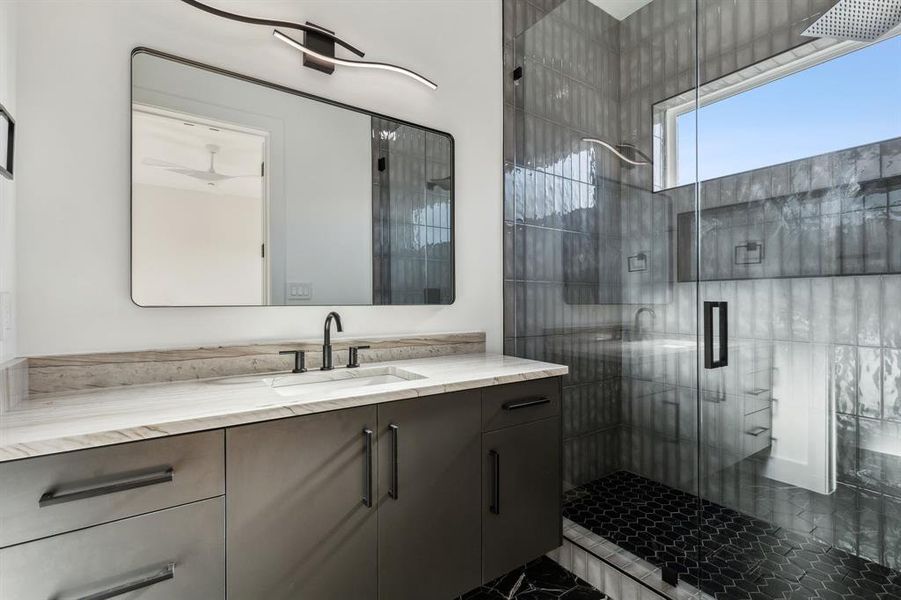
(725, 553)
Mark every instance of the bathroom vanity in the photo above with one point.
(251, 487)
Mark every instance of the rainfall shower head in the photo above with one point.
(858, 20)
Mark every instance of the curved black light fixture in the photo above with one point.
(318, 46)
(360, 64)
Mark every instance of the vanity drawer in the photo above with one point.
(173, 554)
(516, 403)
(54, 494)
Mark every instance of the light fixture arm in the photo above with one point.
(306, 28)
(360, 64)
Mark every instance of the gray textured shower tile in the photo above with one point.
(782, 309)
(892, 532)
(852, 242)
(868, 313)
(800, 175)
(869, 382)
(801, 305)
(891, 315)
(891, 384)
(876, 240)
(893, 231)
(891, 157)
(844, 310)
(844, 378)
(821, 308)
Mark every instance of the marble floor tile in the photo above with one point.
(541, 579)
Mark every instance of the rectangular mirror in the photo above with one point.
(246, 193)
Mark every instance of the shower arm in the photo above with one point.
(619, 154)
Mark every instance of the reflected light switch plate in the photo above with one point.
(300, 291)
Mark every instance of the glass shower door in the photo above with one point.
(799, 299)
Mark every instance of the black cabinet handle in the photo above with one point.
(168, 572)
(495, 506)
(367, 467)
(131, 482)
(515, 404)
(722, 309)
(393, 487)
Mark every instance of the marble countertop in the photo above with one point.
(66, 421)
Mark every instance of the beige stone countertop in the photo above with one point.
(66, 421)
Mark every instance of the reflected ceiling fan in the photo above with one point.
(210, 175)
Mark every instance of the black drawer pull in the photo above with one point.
(756, 431)
(393, 488)
(515, 404)
(165, 574)
(52, 497)
(495, 506)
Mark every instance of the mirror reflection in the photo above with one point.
(247, 194)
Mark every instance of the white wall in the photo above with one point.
(73, 183)
(196, 248)
(8, 188)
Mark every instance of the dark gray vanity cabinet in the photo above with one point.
(301, 512)
(429, 496)
(522, 474)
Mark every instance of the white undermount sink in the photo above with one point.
(320, 382)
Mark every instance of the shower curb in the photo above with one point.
(617, 573)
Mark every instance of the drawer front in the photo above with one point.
(517, 403)
(174, 554)
(54, 494)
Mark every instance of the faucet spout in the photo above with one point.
(327, 340)
(636, 325)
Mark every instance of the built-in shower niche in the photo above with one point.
(833, 214)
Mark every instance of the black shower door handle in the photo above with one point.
(723, 359)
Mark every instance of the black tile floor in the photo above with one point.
(541, 579)
(730, 556)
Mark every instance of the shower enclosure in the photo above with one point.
(702, 219)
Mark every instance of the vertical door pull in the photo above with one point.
(393, 487)
(367, 467)
(495, 506)
(723, 359)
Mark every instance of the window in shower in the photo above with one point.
(816, 99)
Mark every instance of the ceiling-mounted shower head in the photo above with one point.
(858, 20)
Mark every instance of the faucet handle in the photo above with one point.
(299, 360)
(353, 357)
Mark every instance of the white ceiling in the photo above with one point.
(619, 9)
(183, 142)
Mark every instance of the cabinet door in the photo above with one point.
(521, 495)
(298, 524)
(429, 496)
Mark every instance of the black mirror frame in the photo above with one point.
(221, 71)
(6, 166)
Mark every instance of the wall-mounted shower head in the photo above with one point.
(858, 20)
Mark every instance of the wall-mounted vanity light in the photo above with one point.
(7, 143)
(318, 45)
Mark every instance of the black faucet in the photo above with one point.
(327, 340)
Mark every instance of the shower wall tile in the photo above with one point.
(869, 382)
